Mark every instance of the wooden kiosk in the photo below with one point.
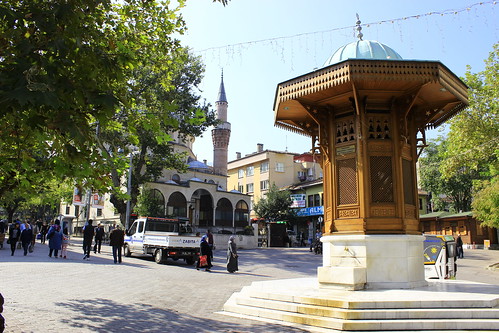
(366, 112)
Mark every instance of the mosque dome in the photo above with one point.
(363, 49)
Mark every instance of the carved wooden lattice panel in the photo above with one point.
(347, 180)
(379, 127)
(345, 131)
(408, 182)
(381, 179)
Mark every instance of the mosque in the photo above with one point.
(199, 196)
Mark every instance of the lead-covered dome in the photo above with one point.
(363, 49)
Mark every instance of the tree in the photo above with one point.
(456, 189)
(474, 139)
(84, 80)
(170, 103)
(275, 206)
(486, 203)
(149, 204)
(464, 167)
(66, 69)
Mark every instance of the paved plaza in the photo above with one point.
(44, 294)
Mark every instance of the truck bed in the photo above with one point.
(161, 239)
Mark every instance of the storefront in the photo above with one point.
(309, 220)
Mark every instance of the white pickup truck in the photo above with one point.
(162, 238)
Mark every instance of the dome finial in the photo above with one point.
(359, 28)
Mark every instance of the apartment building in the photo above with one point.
(254, 173)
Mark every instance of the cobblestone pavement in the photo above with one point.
(44, 294)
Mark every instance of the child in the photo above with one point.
(65, 243)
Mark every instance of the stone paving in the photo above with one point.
(44, 294)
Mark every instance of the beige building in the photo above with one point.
(254, 173)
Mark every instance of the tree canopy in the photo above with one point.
(469, 158)
(275, 206)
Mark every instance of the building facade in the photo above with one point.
(472, 232)
(254, 173)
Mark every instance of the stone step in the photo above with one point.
(361, 324)
(337, 302)
(369, 313)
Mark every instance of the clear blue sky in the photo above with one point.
(260, 43)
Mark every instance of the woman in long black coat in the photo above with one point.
(205, 251)
(232, 262)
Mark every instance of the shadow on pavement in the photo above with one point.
(104, 315)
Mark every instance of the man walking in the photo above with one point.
(99, 236)
(26, 237)
(117, 240)
(88, 235)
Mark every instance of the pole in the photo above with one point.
(89, 198)
(129, 192)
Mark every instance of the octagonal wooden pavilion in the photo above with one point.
(367, 114)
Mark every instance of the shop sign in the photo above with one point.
(298, 201)
(311, 211)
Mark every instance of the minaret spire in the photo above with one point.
(221, 134)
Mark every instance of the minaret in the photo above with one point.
(221, 133)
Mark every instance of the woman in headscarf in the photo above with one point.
(232, 264)
(205, 251)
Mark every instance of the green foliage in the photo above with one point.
(275, 205)
(150, 204)
(474, 133)
(486, 203)
(166, 103)
(464, 167)
(452, 192)
(82, 82)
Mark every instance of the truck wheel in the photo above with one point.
(127, 251)
(190, 261)
(158, 257)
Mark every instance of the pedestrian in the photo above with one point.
(34, 228)
(459, 247)
(26, 237)
(232, 257)
(99, 236)
(65, 243)
(211, 242)
(55, 240)
(43, 231)
(205, 251)
(302, 239)
(117, 240)
(14, 235)
(88, 235)
(3, 227)
(317, 241)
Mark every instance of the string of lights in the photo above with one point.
(277, 43)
